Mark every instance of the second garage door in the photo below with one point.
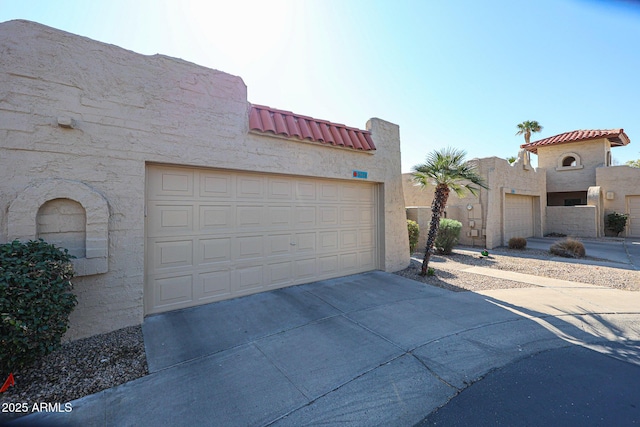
(634, 216)
(518, 216)
(215, 234)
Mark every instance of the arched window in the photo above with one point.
(569, 162)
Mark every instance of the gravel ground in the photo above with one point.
(90, 365)
(81, 368)
(449, 274)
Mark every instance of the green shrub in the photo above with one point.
(517, 243)
(414, 234)
(568, 248)
(616, 222)
(35, 301)
(448, 235)
(431, 271)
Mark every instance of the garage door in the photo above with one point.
(634, 216)
(214, 234)
(518, 216)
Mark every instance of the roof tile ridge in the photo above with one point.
(265, 119)
(301, 116)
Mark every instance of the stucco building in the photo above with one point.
(582, 184)
(514, 205)
(172, 189)
(571, 191)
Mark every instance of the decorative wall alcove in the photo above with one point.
(54, 210)
(63, 222)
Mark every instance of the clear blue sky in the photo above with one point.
(449, 72)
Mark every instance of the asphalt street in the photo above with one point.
(571, 386)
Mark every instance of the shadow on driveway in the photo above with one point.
(368, 349)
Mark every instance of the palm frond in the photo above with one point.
(448, 166)
(528, 126)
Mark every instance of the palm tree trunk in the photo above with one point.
(437, 208)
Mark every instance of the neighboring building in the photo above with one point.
(172, 189)
(583, 186)
(514, 204)
(571, 192)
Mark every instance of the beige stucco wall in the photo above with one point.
(422, 216)
(574, 221)
(617, 184)
(504, 178)
(482, 216)
(415, 195)
(84, 113)
(419, 201)
(591, 154)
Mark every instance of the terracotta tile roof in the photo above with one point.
(289, 125)
(617, 137)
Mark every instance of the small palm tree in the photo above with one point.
(526, 128)
(446, 170)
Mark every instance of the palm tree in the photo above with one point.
(446, 170)
(526, 128)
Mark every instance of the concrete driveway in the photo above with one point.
(368, 349)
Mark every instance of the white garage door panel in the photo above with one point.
(174, 289)
(279, 273)
(518, 216)
(349, 261)
(213, 235)
(214, 250)
(305, 243)
(634, 216)
(214, 218)
(173, 254)
(214, 284)
(367, 260)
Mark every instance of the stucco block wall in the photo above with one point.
(618, 183)
(592, 155)
(575, 221)
(456, 209)
(504, 178)
(414, 195)
(621, 181)
(77, 112)
(470, 219)
(421, 215)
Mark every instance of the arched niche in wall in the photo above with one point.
(41, 209)
(569, 161)
(63, 222)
